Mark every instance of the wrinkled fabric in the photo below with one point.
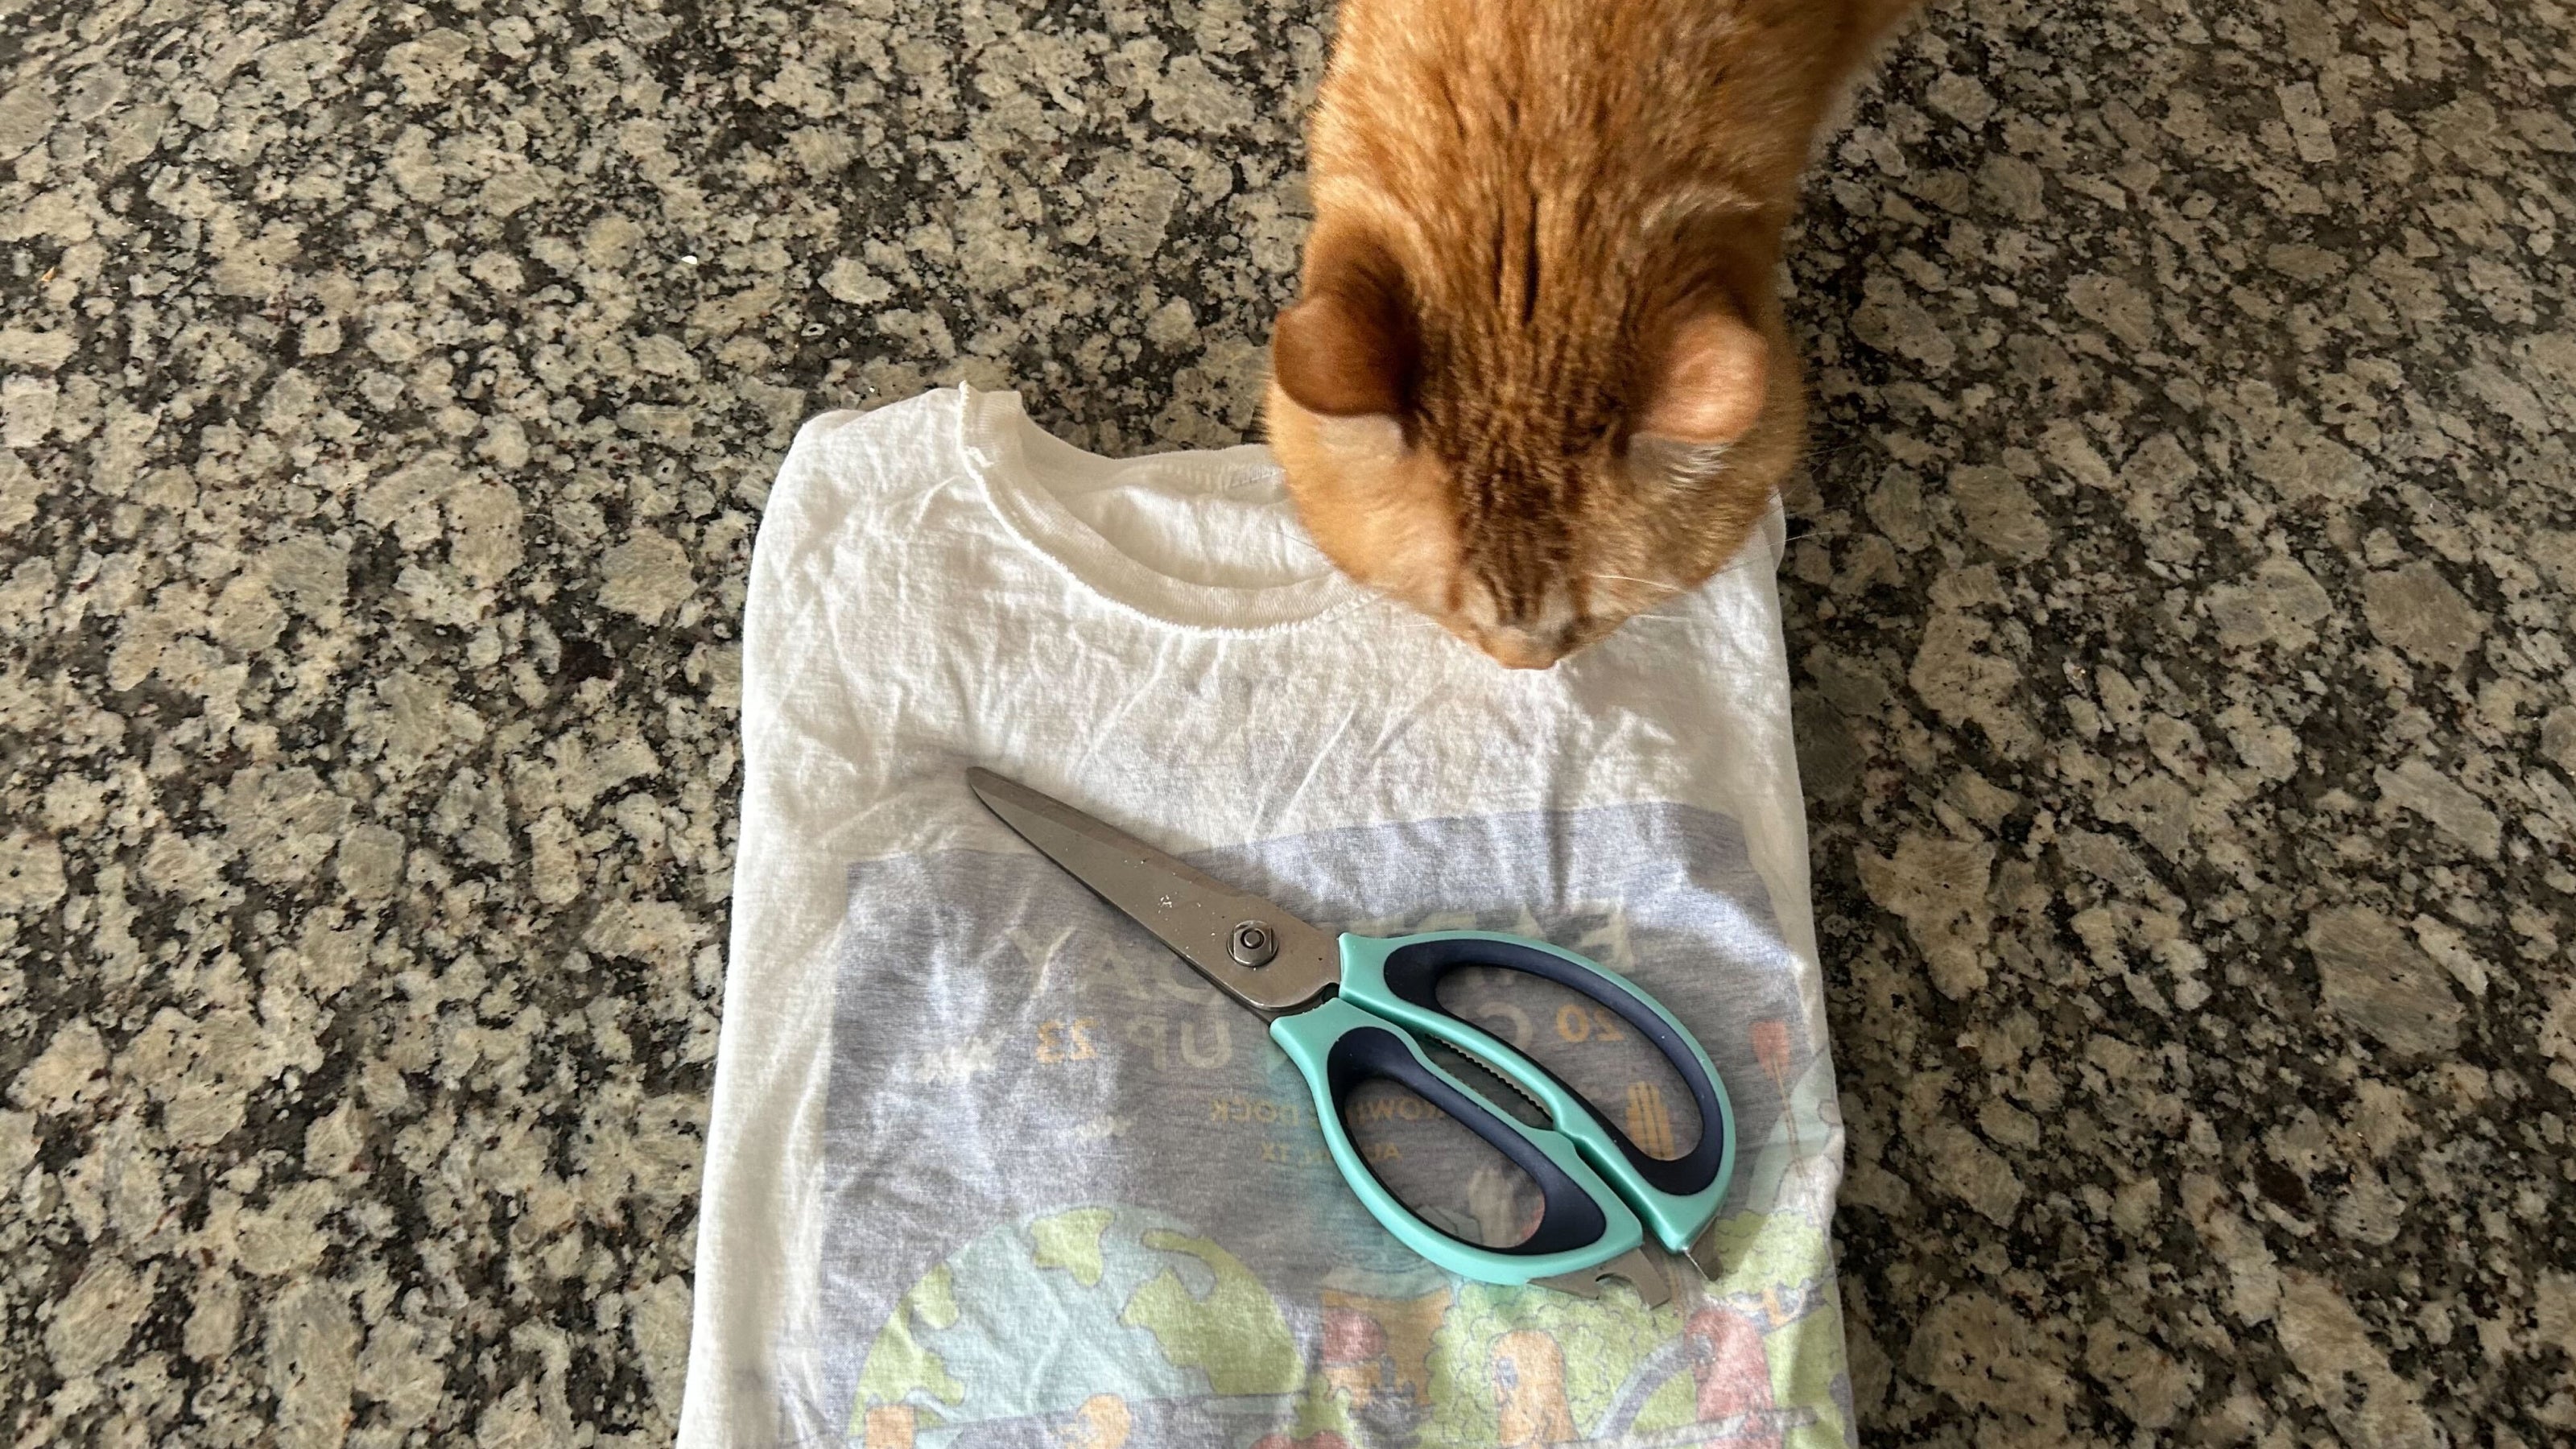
(987, 1165)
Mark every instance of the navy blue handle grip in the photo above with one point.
(1571, 1219)
(1336, 1046)
(1400, 979)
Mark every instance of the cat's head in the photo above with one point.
(1532, 456)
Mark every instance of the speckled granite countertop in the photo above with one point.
(2181, 613)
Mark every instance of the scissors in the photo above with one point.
(1352, 1009)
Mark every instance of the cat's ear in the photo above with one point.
(1706, 378)
(1349, 347)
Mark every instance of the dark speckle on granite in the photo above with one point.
(2180, 610)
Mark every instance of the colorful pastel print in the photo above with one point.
(1077, 1200)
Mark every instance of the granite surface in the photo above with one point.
(2180, 604)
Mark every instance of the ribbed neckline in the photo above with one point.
(1027, 470)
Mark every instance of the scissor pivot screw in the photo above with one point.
(1253, 944)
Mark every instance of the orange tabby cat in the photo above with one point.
(1536, 379)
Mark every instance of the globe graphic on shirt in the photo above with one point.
(1095, 1327)
(1118, 1327)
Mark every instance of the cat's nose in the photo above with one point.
(1526, 649)
(1539, 643)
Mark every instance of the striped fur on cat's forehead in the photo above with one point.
(1537, 379)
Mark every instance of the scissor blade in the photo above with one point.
(1187, 910)
(1634, 1267)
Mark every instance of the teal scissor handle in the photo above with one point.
(1399, 978)
(1395, 980)
(1582, 1224)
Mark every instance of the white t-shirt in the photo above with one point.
(988, 1165)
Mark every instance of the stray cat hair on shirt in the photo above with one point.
(1536, 379)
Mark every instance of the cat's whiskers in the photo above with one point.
(1650, 583)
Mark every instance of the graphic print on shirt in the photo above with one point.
(1075, 1197)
